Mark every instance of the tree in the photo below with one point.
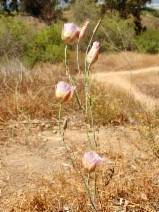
(10, 5)
(40, 8)
(126, 8)
(133, 7)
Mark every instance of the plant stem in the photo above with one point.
(95, 186)
(72, 80)
(77, 52)
(92, 122)
(86, 71)
(72, 159)
(88, 103)
(71, 155)
(59, 116)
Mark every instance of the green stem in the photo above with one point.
(72, 80)
(92, 126)
(72, 159)
(77, 52)
(88, 104)
(95, 187)
(59, 117)
(86, 71)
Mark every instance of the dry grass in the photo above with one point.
(29, 94)
(129, 184)
(147, 83)
(135, 192)
(125, 61)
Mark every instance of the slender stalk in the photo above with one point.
(72, 159)
(87, 67)
(66, 66)
(88, 103)
(86, 84)
(88, 138)
(95, 187)
(90, 113)
(88, 178)
(71, 155)
(72, 80)
(86, 71)
(88, 109)
(59, 116)
(86, 94)
(92, 126)
(77, 58)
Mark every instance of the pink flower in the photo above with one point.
(64, 91)
(91, 160)
(70, 33)
(83, 30)
(92, 55)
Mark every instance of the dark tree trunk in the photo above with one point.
(122, 8)
(137, 20)
(40, 8)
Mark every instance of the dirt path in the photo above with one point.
(123, 80)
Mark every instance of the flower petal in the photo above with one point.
(64, 91)
(91, 160)
(70, 33)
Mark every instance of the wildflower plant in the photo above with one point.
(73, 34)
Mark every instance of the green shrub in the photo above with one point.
(19, 40)
(85, 9)
(155, 13)
(118, 33)
(148, 42)
(14, 37)
(47, 46)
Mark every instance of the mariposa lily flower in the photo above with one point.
(72, 33)
(93, 53)
(91, 160)
(64, 91)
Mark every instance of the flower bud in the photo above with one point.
(83, 30)
(92, 55)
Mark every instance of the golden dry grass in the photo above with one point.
(36, 179)
(125, 61)
(36, 173)
(29, 94)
